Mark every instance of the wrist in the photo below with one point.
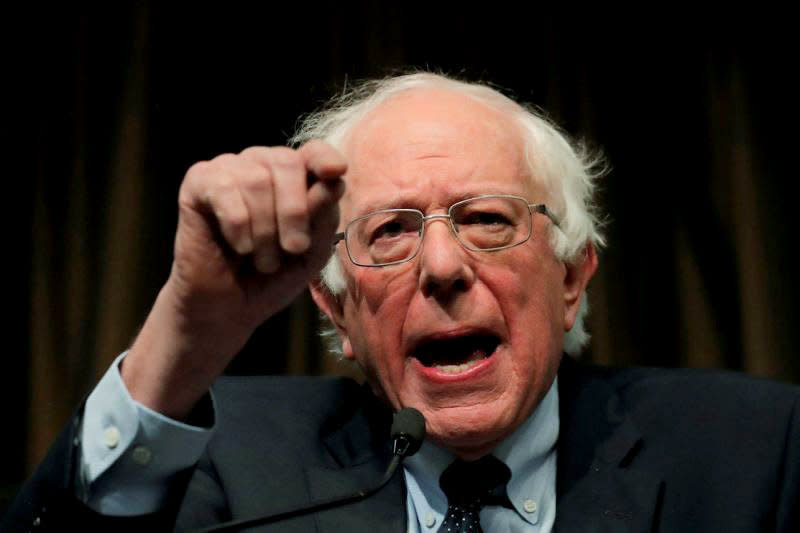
(175, 358)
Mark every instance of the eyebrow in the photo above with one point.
(409, 203)
(371, 207)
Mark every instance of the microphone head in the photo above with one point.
(408, 431)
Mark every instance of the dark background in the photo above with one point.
(105, 109)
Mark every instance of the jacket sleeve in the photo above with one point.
(788, 511)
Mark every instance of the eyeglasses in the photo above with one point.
(482, 224)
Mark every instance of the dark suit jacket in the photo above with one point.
(639, 450)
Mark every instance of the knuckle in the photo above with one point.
(319, 149)
(219, 191)
(216, 173)
(314, 145)
(237, 221)
(254, 151)
(201, 167)
(197, 172)
(224, 159)
(294, 213)
(194, 182)
(258, 179)
(285, 157)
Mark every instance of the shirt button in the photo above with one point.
(430, 519)
(111, 437)
(529, 506)
(141, 455)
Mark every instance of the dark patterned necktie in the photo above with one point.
(469, 486)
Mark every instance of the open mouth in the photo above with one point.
(457, 354)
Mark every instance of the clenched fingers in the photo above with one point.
(265, 199)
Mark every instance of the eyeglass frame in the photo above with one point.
(532, 208)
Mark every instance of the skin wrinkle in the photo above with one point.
(520, 293)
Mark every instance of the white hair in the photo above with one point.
(568, 171)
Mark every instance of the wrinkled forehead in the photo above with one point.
(433, 139)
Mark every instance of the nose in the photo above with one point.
(445, 269)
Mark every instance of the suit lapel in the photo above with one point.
(360, 453)
(598, 486)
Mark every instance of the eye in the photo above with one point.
(388, 227)
(485, 218)
(388, 230)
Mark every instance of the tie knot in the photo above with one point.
(481, 482)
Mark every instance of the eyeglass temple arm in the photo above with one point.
(542, 209)
(338, 237)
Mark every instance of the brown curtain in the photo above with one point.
(698, 271)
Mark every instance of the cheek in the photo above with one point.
(375, 318)
(530, 299)
(523, 284)
(530, 306)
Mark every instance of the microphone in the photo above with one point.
(408, 432)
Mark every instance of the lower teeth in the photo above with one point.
(454, 369)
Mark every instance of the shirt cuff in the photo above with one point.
(129, 452)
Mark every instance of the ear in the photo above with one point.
(330, 305)
(576, 278)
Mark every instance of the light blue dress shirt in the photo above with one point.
(129, 453)
(530, 453)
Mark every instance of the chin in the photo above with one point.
(468, 431)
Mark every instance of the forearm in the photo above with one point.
(175, 358)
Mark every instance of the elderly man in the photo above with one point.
(466, 239)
